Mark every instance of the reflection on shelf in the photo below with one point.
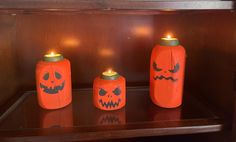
(110, 117)
(57, 118)
(165, 114)
(139, 114)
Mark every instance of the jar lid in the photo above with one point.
(169, 42)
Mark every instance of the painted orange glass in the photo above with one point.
(109, 94)
(167, 75)
(53, 81)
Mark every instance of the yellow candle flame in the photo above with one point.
(168, 36)
(52, 53)
(109, 71)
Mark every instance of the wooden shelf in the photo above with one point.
(82, 121)
(74, 5)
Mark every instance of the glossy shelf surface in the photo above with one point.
(25, 120)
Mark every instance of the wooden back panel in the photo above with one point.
(93, 43)
(8, 75)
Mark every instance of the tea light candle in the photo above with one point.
(110, 75)
(52, 57)
(53, 81)
(169, 41)
(109, 91)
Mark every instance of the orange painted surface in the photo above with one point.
(109, 94)
(53, 81)
(167, 75)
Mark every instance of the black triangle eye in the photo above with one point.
(176, 68)
(117, 91)
(58, 75)
(155, 67)
(46, 76)
(102, 92)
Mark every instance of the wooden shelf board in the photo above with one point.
(57, 5)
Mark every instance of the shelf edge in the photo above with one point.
(107, 5)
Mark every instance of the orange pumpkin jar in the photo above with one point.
(109, 92)
(167, 73)
(53, 81)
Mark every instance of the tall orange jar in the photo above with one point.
(53, 81)
(167, 73)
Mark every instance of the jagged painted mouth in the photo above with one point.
(110, 119)
(110, 104)
(163, 77)
(52, 90)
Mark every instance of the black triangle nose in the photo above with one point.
(52, 81)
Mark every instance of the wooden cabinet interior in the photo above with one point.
(94, 42)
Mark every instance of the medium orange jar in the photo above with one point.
(109, 91)
(53, 81)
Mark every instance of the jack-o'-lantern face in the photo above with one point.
(109, 98)
(52, 81)
(166, 65)
(109, 94)
(165, 74)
